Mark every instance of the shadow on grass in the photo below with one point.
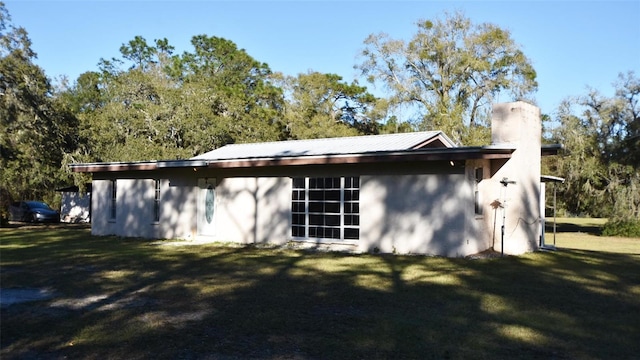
(566, 227)
(126, 298)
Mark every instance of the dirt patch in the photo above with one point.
(487, 254)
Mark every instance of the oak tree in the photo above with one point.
(449, 72)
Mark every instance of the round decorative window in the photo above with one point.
(208, 204)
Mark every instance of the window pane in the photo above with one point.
(297, 207)
(333, 195)
(316, 207)
(348, 219)
(298, 231)
(316, 195)
(298, 183)
(351, 233)
(333, 208)
(316, 219)
(298, 219)
(332, 220)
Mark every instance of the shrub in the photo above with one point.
(626, 228)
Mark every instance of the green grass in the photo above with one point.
(583, 234)
(129, 298)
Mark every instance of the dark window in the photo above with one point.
(479, 175)
(112, 209)
(326, 208)
(156, 202)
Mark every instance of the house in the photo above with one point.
(414, 193)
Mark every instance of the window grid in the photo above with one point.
(326, 208)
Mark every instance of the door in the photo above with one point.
(207, 207)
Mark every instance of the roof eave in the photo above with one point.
(444, 154)
(436, 154)
(114, 166)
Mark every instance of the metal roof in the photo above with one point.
(327, 146)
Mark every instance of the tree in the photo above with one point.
(450, 72)
(36, 129)
(323, 105)
(152, 104)
(602, 145)
(243, 96)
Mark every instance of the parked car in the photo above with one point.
(33, 211)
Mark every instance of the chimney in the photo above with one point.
(516, 182)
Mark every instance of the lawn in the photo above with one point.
(116, 298)
(583, 234)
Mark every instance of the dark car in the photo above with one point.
(33, 211)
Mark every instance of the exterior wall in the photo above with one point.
(135, 207)
(404, 208)
(417, 214)
(178, 201)
(253, 209)
(480, 226)
(517, 124)
(100, 223)
(237, 202)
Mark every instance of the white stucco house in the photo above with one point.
(414, 193)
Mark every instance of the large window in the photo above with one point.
(326, 208)
(112, 205)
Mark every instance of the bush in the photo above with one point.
(626, 228)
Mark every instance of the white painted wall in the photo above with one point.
(135, 208)
(100, 223)
(418, 214)
(254, 210)
(411, 213)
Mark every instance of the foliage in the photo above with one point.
(450, 71)
(167, 106)
(323, 105)
(36, 128)
(600, 163)
(626, 228)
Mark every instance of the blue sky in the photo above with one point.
(572, 44)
